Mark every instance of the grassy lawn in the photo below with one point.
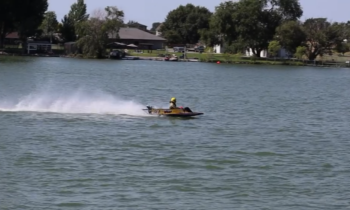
(155, 53)
(17, 49)
(19, 46)
(223, 58)
(4, 58)
(190, 55)
(336, 58)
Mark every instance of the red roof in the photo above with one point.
(13, 35)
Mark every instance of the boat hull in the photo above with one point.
(178, 112)
(184, 114)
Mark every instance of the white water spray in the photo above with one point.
(76, 102)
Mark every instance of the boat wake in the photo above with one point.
(77, 102)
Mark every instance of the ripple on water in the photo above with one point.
(71, 205)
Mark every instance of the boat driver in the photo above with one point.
(172, 103)
(173, 106)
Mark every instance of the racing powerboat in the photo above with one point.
(177, 112)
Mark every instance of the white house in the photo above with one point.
(218, 48)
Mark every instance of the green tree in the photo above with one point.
(68, 29)
(155, 26)
(343, 29)
(29, 16)
(7, 19)
(95, 38)
(96, 30)
(183, 24)
(210, 37)
(274, 48)
(254, 22)
(173, 37)
(49, 24)
(235, 47)
(321, 36)
(132, 23)
(76, 15)
(342, 48)
(291, 35)
(221, 27)
(25, 19)
(59, 27)
(222, 21)
(300, 52)
(77, 11)
(114, 21)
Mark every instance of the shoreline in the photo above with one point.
(247, 61)
(158, 59)
(241, 62)
(254, 61)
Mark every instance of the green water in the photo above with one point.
(73, 136)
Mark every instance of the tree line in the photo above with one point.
(255, 24)
(22, 16)
(30, 18)
(258, 25)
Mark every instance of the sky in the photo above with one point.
(149, 11)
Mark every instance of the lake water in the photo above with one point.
(73, 136)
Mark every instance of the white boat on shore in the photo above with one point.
(172, 58)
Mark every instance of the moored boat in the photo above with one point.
(172, 58)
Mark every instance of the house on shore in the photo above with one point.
(14, 44)
(12, 39)
(138, 37)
